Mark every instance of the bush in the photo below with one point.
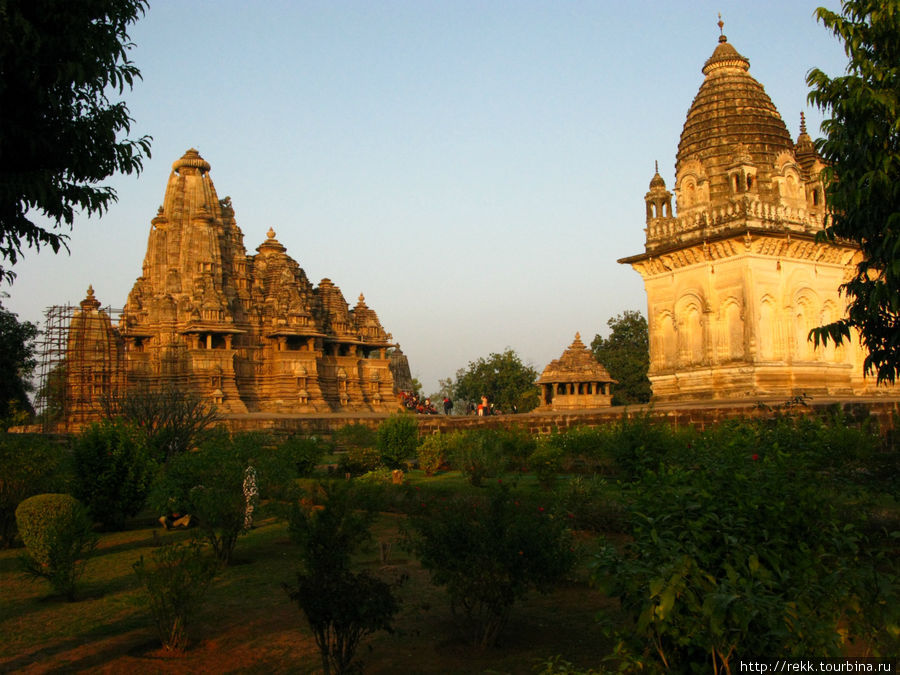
(639, 444)
(546, 462)
(357, 461)
(478, 454)
(221, 484)
(433, 453)
(355, 436)
(175, 585)
(341, 606)
(489, 553)
(739, 551)
(304, 453)
(31, 465)
(398, 437)
(585, 449)
(113, 472)
(58, 535)
(584, 501)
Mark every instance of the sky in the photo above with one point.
(475, 168)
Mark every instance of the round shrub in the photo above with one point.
(31, 465)
(58, 536)
(433, 453)
(38, 518)
(398, 437)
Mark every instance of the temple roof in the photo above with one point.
(577, 364)
(731, 108)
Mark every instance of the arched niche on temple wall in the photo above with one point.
(666, 341)
(691, 345)
(731, 330)
(805, 315)
(766, 333)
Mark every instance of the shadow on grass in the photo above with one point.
(116, 631)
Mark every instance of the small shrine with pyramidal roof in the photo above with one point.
(246, 332)
(576, 380)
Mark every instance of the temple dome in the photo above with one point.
(731, 108)
(191, 160)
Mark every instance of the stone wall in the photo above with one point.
(698, 416)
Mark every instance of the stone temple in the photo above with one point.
(735, 278)
(249, 333)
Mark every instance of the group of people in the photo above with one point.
(413, 403)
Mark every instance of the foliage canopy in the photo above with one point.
(626, 355)
(59, 132)
(862, 150)
(17, 362)
(503, 378)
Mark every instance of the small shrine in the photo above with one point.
(575, 381)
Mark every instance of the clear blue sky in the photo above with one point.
(474, 168)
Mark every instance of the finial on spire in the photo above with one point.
(656, 166)
(802, 123)
(721, 25)
(271, 233)
(90, 291)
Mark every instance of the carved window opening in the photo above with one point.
(815, 197)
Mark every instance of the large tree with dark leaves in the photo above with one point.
(16, 365)
(508, 383)
(626, 355)
(60, 135)
(862, 148)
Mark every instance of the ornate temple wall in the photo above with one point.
(248, 333)
(735, 278)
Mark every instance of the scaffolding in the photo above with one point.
(74, 376)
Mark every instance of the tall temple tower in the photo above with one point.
(734, 277)
(246, 332)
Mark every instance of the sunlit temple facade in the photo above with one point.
(734, 277)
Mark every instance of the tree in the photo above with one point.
(173, 421)
(862, 150)
(503, 378)
(626, 355)
(59, 132)
(17, 362)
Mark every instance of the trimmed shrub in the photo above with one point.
(489, 553)
(113, 472)
(58, 536)
(175, 583)
(433, 453)
(398, 437)
(31, 465)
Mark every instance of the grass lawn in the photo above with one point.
(248, 624)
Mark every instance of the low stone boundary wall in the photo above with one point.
(700, 416)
